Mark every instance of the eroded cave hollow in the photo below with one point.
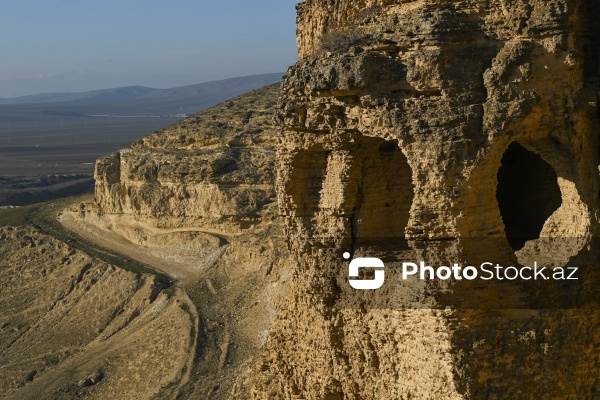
(527, 193)
(384, 199)
(306, 182)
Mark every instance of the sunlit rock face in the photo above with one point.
(213, 168)
(197, 202)
(451, 132)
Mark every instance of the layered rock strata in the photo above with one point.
(197, 202)
(450, 132)
(210, 168)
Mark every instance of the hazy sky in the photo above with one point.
(78, 45)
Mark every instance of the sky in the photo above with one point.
(79, 45)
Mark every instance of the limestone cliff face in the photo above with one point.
(215, 166)
(451, 132)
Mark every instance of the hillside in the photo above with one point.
(196, 201)
(158, 101)
(212, 228)
(75, 327)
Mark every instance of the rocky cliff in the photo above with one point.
(212, 167)
(450, 132)
(197, 202)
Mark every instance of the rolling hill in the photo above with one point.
(139, 100)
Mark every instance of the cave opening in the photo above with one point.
(385, 196)
(527, 193)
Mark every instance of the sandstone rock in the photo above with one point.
(450, 132)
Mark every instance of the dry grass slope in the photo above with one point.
(75, 327)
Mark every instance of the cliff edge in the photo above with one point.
(451, 132)
(445, 132)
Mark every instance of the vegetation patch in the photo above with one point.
(16, 216)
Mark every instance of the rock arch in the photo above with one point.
(384, 197)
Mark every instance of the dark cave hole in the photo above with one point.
(388, 147)
(527, 194)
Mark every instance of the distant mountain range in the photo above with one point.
(64, 133)
(123, 93)
(134, 100)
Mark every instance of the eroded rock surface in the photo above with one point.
(210, 168)
(451, 132)
(410, 130)
(197, 202)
